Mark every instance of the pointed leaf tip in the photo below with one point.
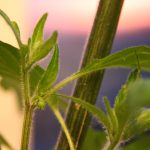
(16, 27)
(37, 37)
(42, 50)
(51, 73)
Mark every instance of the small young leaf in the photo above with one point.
(16, 27)
(42, 50)
(41, 103)
(38, 48)
(62, 123)
(100, 115)
(4, 142)
(35, 75)
(51, 73)
(37, 37)
(112, 115)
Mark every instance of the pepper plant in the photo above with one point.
(37, 86)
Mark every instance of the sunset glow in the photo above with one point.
(135, 15)
(77, 16)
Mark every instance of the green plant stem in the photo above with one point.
(26, 128)
(28, 107)
(63, 125)
(116, 139)
(87, 87)
(26, 88)
(112, 145)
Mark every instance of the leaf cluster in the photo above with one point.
(38, 86)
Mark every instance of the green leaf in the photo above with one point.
(16, 27)
(35, 75)
(139, 95)
(122, 95)
(9, 60)
(10, 71)
(141, 143)
(100, 115)
(50, 75)
(37, 37)
(112, 116)
(127, 58)
(13, 26)
(123, 58)
(43, 50)
(38, 48)
(62, 123)
(121, 105)
(138, 125)
(95, 140)
(133, 76)
(4, 142)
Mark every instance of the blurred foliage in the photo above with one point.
(4, 142)
(95, 140)
(141, 143)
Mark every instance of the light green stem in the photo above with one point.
(64, 127)
(26, 128)
(28, 108)
(117, 139)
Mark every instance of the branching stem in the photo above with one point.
(28, 107)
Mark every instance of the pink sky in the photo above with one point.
(77, 16)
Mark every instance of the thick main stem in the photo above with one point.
(87, 88)
(26, 128)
